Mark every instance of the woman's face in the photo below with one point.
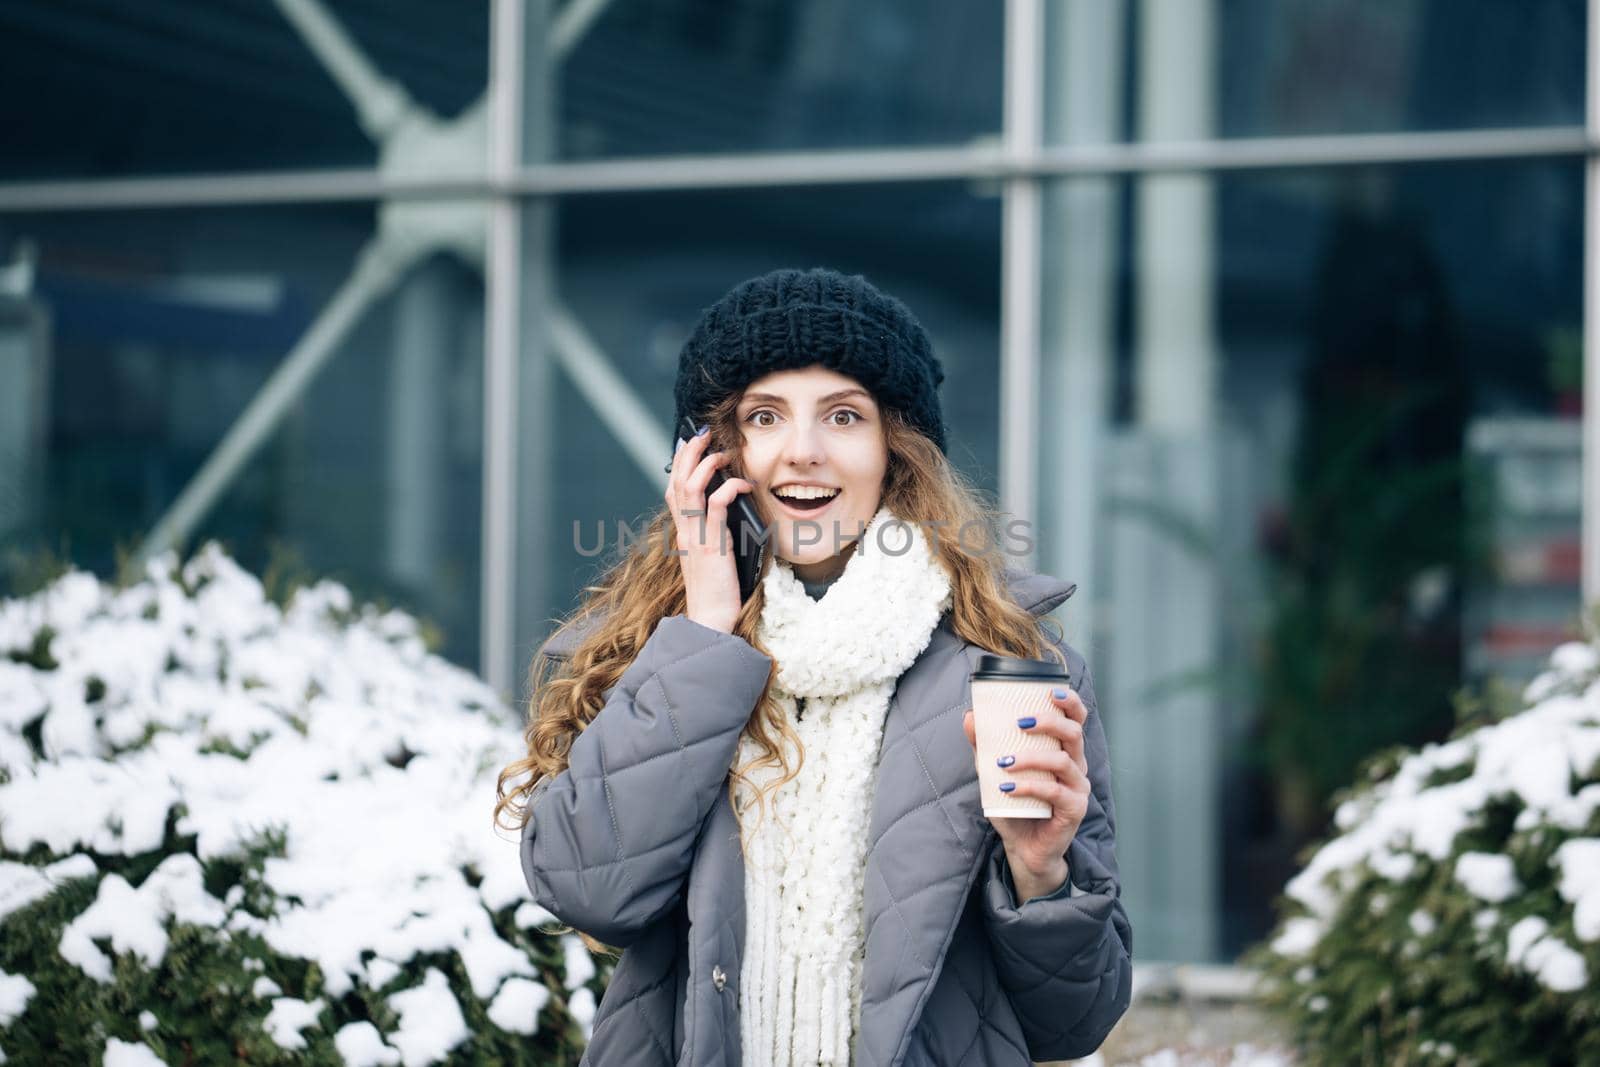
(804, 431)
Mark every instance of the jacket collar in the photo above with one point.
(1039, 593)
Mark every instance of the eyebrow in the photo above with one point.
(769, 398)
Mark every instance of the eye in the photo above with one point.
(751, 418)
(855, 417)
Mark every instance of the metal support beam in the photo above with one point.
(1077, 312)
(377, 267)
(568, 28)
(1591, 324)
(503, 329)
(381, 103)
(635, 426)
(1019, 273)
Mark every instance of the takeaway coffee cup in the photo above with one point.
(1004, 690)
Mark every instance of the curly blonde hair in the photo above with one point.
(646, 585)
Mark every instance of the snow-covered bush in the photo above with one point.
(234, 832)
(1455, 915)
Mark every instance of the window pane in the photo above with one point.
(94, 88)
(1258, 68)
(635, 271)
(685, 76)
(1324, 472)
(145, 336)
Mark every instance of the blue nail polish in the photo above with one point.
(1060, 694)
(701, 432)
(1006, 787)
(1006, 761)
(1027, 722)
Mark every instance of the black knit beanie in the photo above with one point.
(790, 319)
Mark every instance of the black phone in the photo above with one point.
(744, 524)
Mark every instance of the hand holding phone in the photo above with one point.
(720, 572)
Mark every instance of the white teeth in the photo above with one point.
(806, 492)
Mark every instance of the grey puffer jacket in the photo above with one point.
(637, 845)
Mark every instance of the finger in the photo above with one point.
(674, 472)
(1058, 763)
(684, 460)
(689, 492)
(968, 729)
(723, 497)
(1071, 703)
(1065, 803)
(701, 475)
(1054, 723)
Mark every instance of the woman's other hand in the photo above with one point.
(705, 545)
(1036, 849)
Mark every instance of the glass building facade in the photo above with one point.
(1270, 315)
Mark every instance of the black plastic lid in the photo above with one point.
(1004, 668)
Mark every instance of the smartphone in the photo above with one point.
(749, 533)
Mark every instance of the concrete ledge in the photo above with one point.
(1218, 982)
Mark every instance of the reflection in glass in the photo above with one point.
(145, 337)
(1266, 68)
(93, 89)
(1325, 475)
(654, 77)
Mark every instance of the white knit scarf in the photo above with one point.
(800, 986)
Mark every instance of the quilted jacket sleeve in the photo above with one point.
(609, 840)
(1067, 960)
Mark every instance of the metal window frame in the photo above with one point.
(1590, 465)
(1021, 161)
(1021, 264)
(949, 163)
(502, 327)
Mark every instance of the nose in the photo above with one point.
(803, 446)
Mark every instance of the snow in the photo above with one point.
(360, 1045)
(148, 1021)
(582, 1008)
(134, 920)
(430, 1021)
(290, 1016)
(76, 947)
(130, 1054)
(1488, 876)
(579, 965)
(530, 916)
(22, 699)
(1300, 935)
(21, 885)
(1575, 657)
(380, 972)
(1242, 1055)
(1530, 946)
(1578, 861)
(15, 992)
(517, 1006)
(1397, 830)
(326, 702)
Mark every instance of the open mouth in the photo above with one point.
(810, 505)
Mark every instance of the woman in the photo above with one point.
(772, 805)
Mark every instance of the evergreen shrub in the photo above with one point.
(1454, 915)
(234, 831)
